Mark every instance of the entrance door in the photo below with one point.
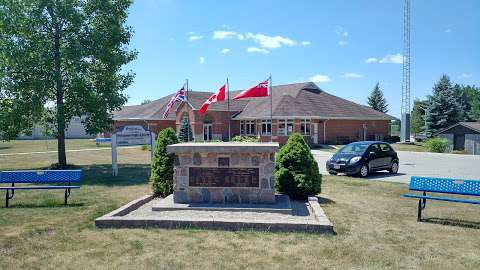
(315, 133)
(207, 132)
(459, 142)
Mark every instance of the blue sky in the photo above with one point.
(344, 46)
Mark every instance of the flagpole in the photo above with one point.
(271, 108)
(228, 109)
(186, 98)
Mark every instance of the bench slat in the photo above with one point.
(445, 185)
(41, 176)
(448, 199)
(40, 187)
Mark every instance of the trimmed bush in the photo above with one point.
(244, 139)
(296, 171)
(437, 145)
(161, 176)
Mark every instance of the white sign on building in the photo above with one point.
(130, 135)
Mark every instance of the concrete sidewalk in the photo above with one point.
(421, 164)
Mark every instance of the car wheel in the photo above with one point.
(364, 170)
(332, 172)
(394, 167)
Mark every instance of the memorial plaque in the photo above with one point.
(223, 162)
(224, 177)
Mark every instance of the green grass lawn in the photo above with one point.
(417, 147)
(22, 146)
(376, 229)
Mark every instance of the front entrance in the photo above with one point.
(459, 142)
(207, 132)
(315, 133)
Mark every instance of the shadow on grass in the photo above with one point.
(453, 222)
(128, 174)
(49, 205)
(323, 200)
(380, 175)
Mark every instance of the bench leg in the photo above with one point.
(419, 215)
(67, 194)
(8, 196)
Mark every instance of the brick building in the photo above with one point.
(302, 107)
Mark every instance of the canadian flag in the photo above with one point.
(216, 97)
(259, 90)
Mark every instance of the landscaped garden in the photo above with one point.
(375, 227)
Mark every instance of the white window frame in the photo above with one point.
(286, 123)
(266, 126)
(248, 127)
(304, 123)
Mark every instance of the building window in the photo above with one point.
(247, 127)
(285, 127)
(305, 127)
(266, 127)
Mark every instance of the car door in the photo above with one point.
(385, 155)
(373, 152)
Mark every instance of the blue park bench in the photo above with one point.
(445, 186)
(64, 177)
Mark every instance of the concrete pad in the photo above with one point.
(303, 217)
(281, 205)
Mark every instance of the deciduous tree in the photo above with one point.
(59, 59)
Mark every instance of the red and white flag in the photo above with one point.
(179, 96)
(216, 97)
(259, 90)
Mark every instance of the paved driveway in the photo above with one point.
(421, 164)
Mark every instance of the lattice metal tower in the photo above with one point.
(405, 125)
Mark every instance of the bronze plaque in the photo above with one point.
(223, 177)
(223, 161)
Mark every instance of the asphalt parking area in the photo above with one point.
(420, 164)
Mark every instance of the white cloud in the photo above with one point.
(305, 43)
(343, 43)
(191, 33)
(465, 76)
(392, 59)
(257, 50)
(389, 59)
(224, 51)
(448, 30)
(352, 75)
(193, 38)
(240, 36)
(271, 42)
(220, 34)
(341, 31)
(371, 60)
(201, 60)
(319, 78)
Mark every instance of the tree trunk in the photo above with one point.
(60, 116)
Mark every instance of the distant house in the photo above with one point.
(75, 130)
(301, 107)
(463, 136)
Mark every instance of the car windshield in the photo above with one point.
(354, 148)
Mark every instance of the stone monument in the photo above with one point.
(224, 172)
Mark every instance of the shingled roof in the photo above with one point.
(290, 100)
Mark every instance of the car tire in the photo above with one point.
(364, 171)
(394, 167)
(332, 173)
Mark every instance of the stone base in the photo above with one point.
(224, 195)
(281, 205)
(304, 217)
